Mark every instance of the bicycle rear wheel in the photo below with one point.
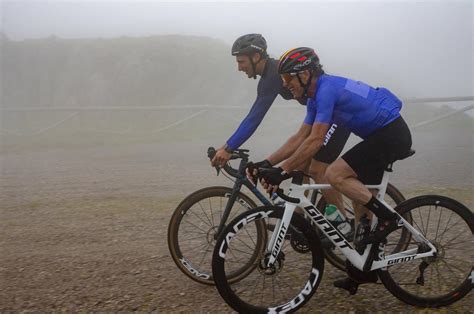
(192, 231)
(285, 286)
(394, 197)
(446, 278)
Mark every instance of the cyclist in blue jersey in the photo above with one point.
(370, 113)
(251, 56)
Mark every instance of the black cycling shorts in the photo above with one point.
(334, 142)
(370, 158)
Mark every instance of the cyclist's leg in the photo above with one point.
(344, 179)
(360, 210)
(334, 142)
(365, 164)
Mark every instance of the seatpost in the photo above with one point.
(383, 185)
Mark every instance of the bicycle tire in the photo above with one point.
(421, 292)
(336, 258)
(293, 279)
(179, 245)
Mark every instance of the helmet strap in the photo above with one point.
(307, 85)
(254, 66)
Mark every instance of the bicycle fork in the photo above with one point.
(279, 233)
(228, 207)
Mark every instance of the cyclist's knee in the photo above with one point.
(333, 178)
(334, 174)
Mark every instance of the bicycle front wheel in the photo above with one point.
(192, 231)
(448, 276)
(284, 286)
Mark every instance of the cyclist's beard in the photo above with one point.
(254, 71)
(297, 92)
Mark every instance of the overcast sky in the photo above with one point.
(416, 48)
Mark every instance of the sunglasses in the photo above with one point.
(287, 77)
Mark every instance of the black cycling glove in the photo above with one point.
(251, 166)
(274, 176)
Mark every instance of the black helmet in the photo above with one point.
(248, 44)
(298, 59)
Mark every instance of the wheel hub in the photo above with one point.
(271, 270)
(211, 235)
(440, 253)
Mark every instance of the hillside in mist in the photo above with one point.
(158, 70)
(148, 71)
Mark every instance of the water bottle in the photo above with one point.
(337, 219)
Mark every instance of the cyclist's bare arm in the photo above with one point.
(308, 147)
(291, 145)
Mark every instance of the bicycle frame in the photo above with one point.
(240, 179)
(360, 261)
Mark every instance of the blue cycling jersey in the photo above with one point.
(269, 86)
(359, 107)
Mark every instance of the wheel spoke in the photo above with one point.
(212, 215)
(457, 243)
(250, 237)
(193, 238)
(415, 224)
(428, 221)
(197, 227)
(450, 241)
(450, 267)
(422, 225)
(208, 222)
(462, 261)
(437, 228)
(447, 224)
(204, 212)
(204, 255)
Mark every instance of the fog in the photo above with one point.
(416, 48)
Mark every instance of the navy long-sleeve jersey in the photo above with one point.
(269, 86)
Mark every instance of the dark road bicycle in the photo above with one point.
(201, 217)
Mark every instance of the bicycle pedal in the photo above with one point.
(347, 284)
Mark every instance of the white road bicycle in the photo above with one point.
(433, 269)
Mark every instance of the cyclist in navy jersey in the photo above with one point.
(370, 113)
(251, 56)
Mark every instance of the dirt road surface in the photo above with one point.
(85, 230)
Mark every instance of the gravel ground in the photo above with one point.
(80, 231)
(110, 254)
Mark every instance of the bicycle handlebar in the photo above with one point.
(236, 154)
(296, 176)
(287, 198)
